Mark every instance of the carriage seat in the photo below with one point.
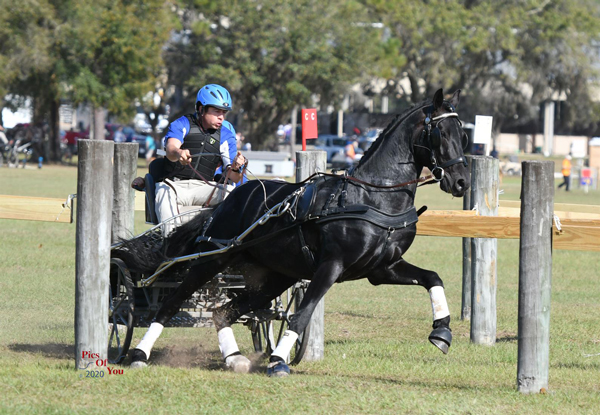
(150, 190)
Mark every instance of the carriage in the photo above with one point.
(134, 298)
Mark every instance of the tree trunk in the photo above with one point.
(99, 123)
(54, 131)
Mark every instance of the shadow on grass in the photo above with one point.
(507, 339)
(351, 314)
(51, 350)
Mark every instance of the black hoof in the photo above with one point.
(278, 369)
(441, 338)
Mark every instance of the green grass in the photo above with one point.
(377, 357)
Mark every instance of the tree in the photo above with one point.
(26, 40)
(113, 53)
(506, 56)
(271, 55)
(105, 52)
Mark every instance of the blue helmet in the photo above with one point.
(214, 95)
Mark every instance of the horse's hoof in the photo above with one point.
(441, 338)
(238, 363)
(139, 360)
(278, 369)
(138, 365)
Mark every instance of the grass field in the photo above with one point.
(377, 357)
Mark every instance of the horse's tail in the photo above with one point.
(145, 253)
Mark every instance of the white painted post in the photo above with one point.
(92, 259)
(125, 170)
(484, 196)
(535, 275)
(308, 163)
(548, 128)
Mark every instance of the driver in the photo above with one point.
(196, 145)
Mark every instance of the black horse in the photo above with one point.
(337, 228)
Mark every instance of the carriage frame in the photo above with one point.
(134, 300)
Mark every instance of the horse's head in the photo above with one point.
(439, 144)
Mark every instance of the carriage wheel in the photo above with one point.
(120, 313)
(286, 306)
(262, 336)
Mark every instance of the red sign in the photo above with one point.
(586, 177)
(309, 125)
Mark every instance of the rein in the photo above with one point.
(437, 172)
(377, 186)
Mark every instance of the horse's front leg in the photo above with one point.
(403, 273)
(325, 276)
(196, 278)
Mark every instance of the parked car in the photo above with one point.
(141, 140)
(338, 161)
(332, 144)
(367, 139)
(510, 166)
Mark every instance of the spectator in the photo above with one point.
(3, 139)
(120, 135)
(350, 151)
(150, 149)
(566, 172)
(494, 153)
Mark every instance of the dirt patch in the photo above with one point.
(199, 357)
(187, 357)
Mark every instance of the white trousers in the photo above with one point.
(170, 195)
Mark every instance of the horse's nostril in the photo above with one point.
(460, 184)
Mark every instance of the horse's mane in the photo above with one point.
(391, 127)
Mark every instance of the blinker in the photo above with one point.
(436, 137)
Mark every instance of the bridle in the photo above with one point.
(433, 136)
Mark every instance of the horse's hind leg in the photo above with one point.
(196, 278)
(258, 294)
(403, 273)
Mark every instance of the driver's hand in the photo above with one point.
(239, 161)
(185, 157)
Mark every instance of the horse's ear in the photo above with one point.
(438, 99)
(455, 98)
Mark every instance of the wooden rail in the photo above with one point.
(575, 234)
(580, 224)
(35, 208)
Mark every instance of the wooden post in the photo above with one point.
(92, 259)
(125, 170)
(484, 196)
(535, 275)
(465, 313)
(308, 163)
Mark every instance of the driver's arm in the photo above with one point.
(175, 153)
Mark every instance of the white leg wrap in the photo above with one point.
(285, 344)
(150, 338)
(438, 303)
(227, 342)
